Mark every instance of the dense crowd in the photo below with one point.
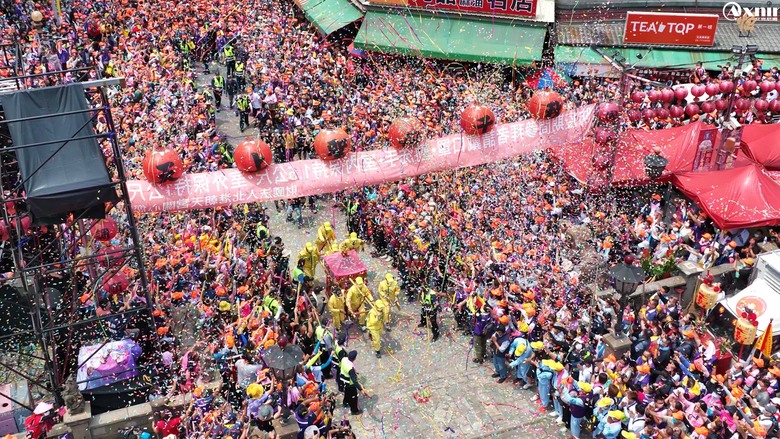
(510, 247)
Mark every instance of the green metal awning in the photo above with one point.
(329, 16)
(648, 59)
(455, 38)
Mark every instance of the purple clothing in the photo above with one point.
(481, 321)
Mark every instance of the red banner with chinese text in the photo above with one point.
(358, 169)
(517, 8)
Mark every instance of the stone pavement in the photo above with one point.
(465, 402)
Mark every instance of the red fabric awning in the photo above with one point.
(745, 196)
(762, 144)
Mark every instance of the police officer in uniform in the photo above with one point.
(429, 312)
(232, 90)
(217, 87)
(242, 105)
(352, 386)
(230, 59)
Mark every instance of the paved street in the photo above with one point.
(465, 402)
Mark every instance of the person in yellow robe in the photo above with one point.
(375, 322)
(336, 306)
(326, 237)
(310, 257)
(388, 291)
(358, 296)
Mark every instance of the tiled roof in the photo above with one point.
(610, 33)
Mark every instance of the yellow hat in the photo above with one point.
(327, 225)
(523, 327)
(536, 345)
(628, 434)
(358, 280)
(389, 277)
(379, 304)
(556, 366)
(224, 306)
(585, 387)
(353, 235)
(309, 246)
(617, 414)
(254, 390)
(604, 402)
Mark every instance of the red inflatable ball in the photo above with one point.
(742, 104)
(252, 155)
(116, 284)
(774, 106)
(477, 119)
(662, 113)
(654, 95)
(749, 85)
(676, 111)
(405, 132)
(721, 104)
(5, 231)
(635, 115)
(545, 104)
(110, 256)
(726, 86)
(608, 112)
(104, 230)
(603, 136)
(638, 97)
(282, 342)
(648, 114)
(767, 85)
(777, 86)
(162, 165)
(691, 109)
(680, 93)
(712, 89)
(697, 90)
(761, 105)
(332, 144)
(667, 95)
(707, 107)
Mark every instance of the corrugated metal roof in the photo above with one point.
(610, 33)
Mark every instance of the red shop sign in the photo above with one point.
(670, 28)
(517, 8)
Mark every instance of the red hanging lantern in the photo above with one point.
(726, 86)
(545, 104)
(749, 85)
(405, 132)
(648, 114)
(608, 112)
(638, 97)
(761, 105)
(477, 119)
(712, 89)
(676, 111)
(654, 95)
(680, 93)
(691, 109)
(252, 155)
(767, 85)
(721, 104)
(697, 90)
(662, 113)
(707, 107)
(603, 135)
(116, 284)
(104, 230)
(742, 104)
(634, 115)
(774, 106)
(332, 144)
(162, 165)
(110, 256)
(667, 95)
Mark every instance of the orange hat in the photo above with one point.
(678, 415)
(177, 295)
(162, 330)
(758, 362)
(610, 358)
(657, 197)
(774, 370)
(157, 313)
(733, 244)
(702, 431)
(706, 236)
(643, 368)
(689, 333)
(515, 288)
(720, 378)
(496, 292)
(504, 320)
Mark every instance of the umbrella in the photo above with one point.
(283, 358)
(547, 78)
(359, 53)
(627, 273)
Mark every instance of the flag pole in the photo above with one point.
(767, 333)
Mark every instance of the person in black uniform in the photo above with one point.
(429, 312)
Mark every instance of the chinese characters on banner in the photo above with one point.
(706, 144)
(310, 177)
(518, 8)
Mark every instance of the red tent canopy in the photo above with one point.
(744, 196)
(761, 143)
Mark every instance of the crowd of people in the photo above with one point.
(509, 247)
